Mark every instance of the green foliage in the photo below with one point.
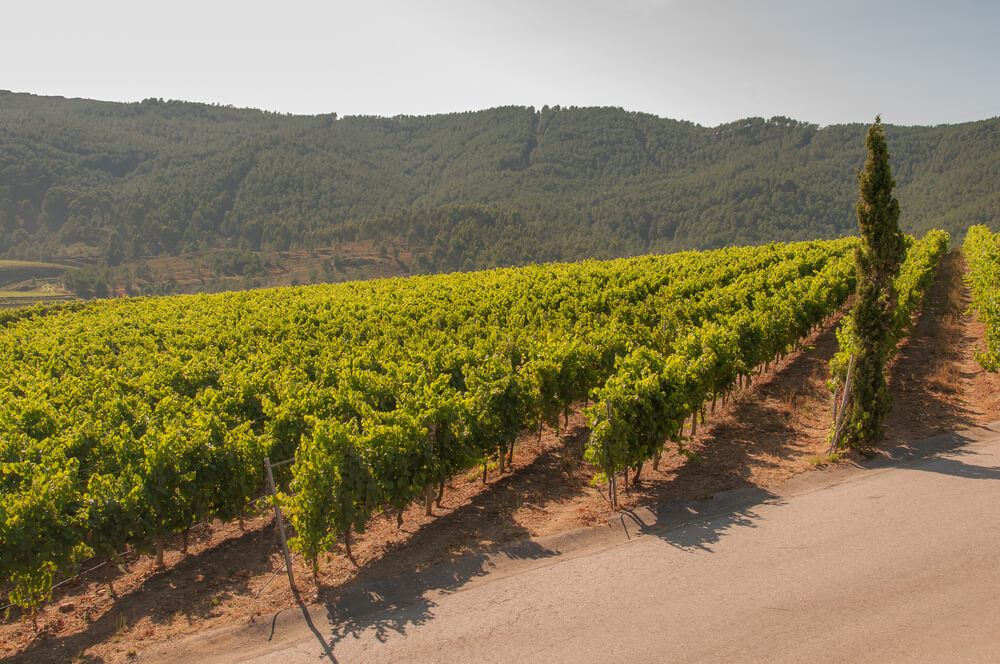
(335, 489)
(238, 262)
(462, 191)
(86, 282)
(873, 315)
(728, 330)
(910, 286)
(40, 527)
(982, 252)
(125, 421)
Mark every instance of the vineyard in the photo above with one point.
(914, 280)
(125, 422)
(982, 250)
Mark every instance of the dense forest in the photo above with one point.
(114, 183)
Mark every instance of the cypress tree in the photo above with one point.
(879, 257)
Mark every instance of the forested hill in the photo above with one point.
(458, 191)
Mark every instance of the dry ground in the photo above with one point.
(937, 384)
(766, 434)
(194, 273)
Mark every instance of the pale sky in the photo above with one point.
(707, 61)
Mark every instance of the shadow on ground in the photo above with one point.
(928, 375)
(390, 593)
(386, 606)
(695, 526)
(782, 417)
(221, 572)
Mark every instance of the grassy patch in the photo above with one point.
(30, 294)
(6, 264)
(819, 462)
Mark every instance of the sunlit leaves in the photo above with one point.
(982, 252)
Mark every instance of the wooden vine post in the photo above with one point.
(429, 487)
(612, 476)
(613, 490)
(281, 524)
(838, 414)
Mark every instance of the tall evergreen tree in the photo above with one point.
(879, 257)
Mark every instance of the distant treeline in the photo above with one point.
(505, 186)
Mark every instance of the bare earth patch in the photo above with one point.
(775, 429)
(936, 383)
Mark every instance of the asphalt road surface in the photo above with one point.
(892, 564)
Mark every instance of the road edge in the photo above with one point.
(274, 631)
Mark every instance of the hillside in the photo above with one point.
(118, 182)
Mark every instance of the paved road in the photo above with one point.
(894, 564)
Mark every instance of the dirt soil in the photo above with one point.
(936, 383)
(774, 429)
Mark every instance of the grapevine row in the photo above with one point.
(982, 253)
(911, 285)
(345, 472)
(124, 422)
(655, 389)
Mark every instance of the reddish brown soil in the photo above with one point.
(936, 383)
(766, 434)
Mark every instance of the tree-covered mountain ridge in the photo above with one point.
(504, 186)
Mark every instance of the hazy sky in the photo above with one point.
(708, 61)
